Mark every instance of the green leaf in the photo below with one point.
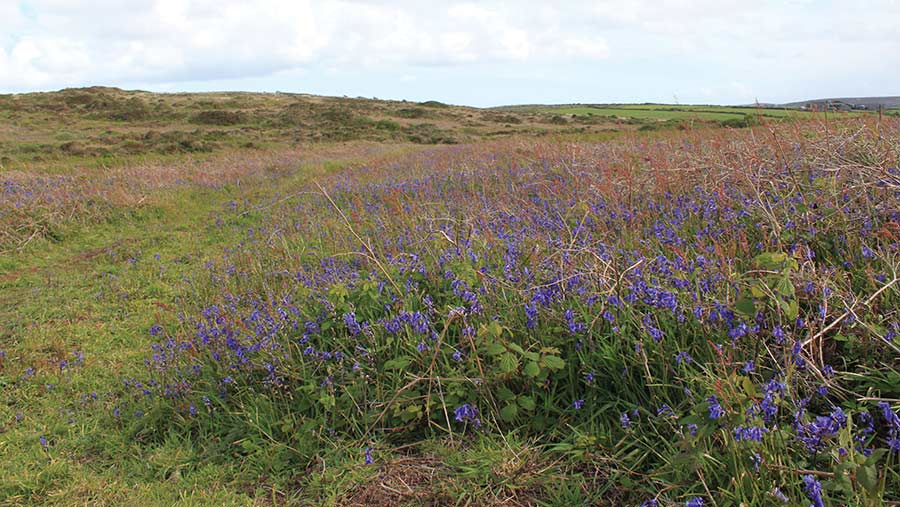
(785, 287)
(867, 476)
(749, 387)
(875, 456)
(509, 362)
(516, 348)
(327, 400)
(792, 309)
(756, 290)
(770, 260)
(505, 394)
(509, 412)
(532, 369)
(534, 356)
(398, 363)
(526, 402)
(746, 307)
(554, 362)
(495, 349)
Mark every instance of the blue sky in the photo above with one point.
(477, 53)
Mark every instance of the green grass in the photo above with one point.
(663, 112)
(97, 285)
(77, 295)
(79, 292)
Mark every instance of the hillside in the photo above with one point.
(105, 123)
(872, 103)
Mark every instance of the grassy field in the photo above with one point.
(532, 315)
(109, 126)
(665, 112)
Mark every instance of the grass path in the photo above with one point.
(97, 291)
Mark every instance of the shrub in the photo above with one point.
(219, 117)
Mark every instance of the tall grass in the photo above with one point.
(706, 318)
(700, 318)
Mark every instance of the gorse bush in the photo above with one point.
(707, 318)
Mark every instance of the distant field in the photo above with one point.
(670, 111)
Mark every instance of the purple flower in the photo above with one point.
(352, 324)
(43, 442)
(694, 502)
(467, 413)
(665, 411)
(815, 434)
(715, 410)
(778, 334)
(531, 314)
(574, 326)
(577, 404)
(683, 357)
(893, 421)
(813, 489)
(753, 433)
(692, 429)
(776, 492)
(368, 456)
(625, 420)
(155, 330)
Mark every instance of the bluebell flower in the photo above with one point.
(467, 413)
(813, 489)
(715, 409)
(531, 315)
(574, 326)
(665, 411)
(352, 324)
(577, 404)
(694, 502)
(776, 492)
(893, 421)
(752, 433)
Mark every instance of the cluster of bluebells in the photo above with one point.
(564, 265)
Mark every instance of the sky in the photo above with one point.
(482, 53)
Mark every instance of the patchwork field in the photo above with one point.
(513, 311)
(680, 113)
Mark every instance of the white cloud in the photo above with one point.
(173, 40)
(727, 50)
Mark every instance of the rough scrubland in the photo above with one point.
(691, 317)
